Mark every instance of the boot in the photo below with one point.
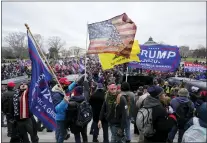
(95, 139)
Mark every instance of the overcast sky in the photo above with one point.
(180, 23)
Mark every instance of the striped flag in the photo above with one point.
(115, 35)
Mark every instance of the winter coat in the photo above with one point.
(6, 101)
(161, 123)
(96, 102)
(141, 99)
(15, 112)
(195, 121)
(117, 115)
(58, 102)
(130, 98)
(73, 105)
(175, 102)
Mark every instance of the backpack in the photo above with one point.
(194, 134)
(84, 114)
(144, 121)
(184, 113)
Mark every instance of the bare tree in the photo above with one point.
(200, 52)
(17, 41)
(56, 42)
(77, 51)
(7, 53)
(39, 39)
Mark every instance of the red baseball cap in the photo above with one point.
(64, 81)
(11, 84)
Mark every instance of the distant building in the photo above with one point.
(77, 51)
(72, 52)
(150, 42)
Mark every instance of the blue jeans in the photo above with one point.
(60, 131)
(127, 129)
(114, 137)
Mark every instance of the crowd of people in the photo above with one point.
(158, 110)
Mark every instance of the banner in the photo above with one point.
(191, 67)
(115, 35)
(40, 100)
(108, 60)
(158, 57)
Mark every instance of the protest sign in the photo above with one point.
(191, 67)
(158, 57)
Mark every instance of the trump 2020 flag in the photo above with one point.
(115, 35)
(41, 104)
(158, 57)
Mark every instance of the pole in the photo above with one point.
(44, 58)
(86, 48)
(127, 73)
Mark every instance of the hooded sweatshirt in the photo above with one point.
(175, 102)
(161, 123)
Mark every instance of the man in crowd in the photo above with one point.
(6, 98)
(115, 110)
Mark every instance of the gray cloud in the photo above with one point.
(175, 23)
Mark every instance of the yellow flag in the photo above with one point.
(109, 60)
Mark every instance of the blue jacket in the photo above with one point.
(60, 110)
(59, 104)
(71, 87)
(179, 100)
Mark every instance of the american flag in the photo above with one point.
(115, 35)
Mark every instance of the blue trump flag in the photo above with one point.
(158, 57)
(41, 104)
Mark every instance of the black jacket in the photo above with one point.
(96, 101)
(86, 90)
(12, 108)
(161, 123)
(6, 101)
(117, 114)
(73, 111)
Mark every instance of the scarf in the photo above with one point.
(24, 105)
(21, 107)
(110, 99)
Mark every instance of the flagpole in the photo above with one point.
(127, 73)
(44, 58)
(86, 48)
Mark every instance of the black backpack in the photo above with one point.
(184, 113)
(84, 114)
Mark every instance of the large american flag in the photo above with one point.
(115, 35)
